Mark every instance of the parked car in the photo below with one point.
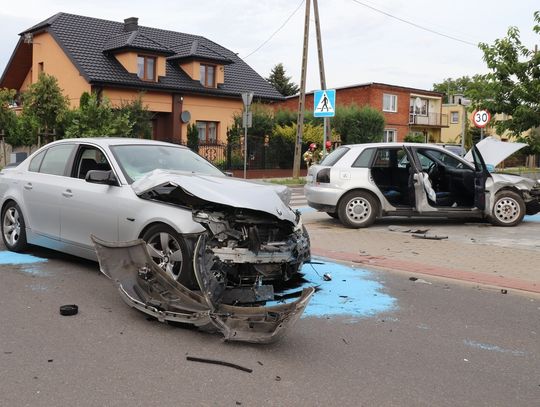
(183, 241)
(362, 182)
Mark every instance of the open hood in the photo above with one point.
(236, 193)
(495, 151)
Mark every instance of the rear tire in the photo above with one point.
(508, 210)
(358, 209)
(13, 228)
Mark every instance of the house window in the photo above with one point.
(146, 68)
(40, 68)
(389, 103)
(207, 132)
(454, 117)
(390, 135)
(207, 75)
(419, 107)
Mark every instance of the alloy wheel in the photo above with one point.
(507, 210)
(166, 252)
(12, 226)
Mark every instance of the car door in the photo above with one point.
(42, 189)
(88, 208)
(480, 177)
(418, 182)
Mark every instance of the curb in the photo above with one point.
(419, 268)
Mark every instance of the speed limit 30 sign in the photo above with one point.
(481, 118)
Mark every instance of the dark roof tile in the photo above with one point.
(84, 39)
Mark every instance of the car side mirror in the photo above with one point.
(228, 173)
(101, 177)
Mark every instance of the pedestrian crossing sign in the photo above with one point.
(324, 102)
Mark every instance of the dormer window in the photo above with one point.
(146, 67)
(208, 75)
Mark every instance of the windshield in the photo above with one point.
(135, 160)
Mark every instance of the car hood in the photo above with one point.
(495, 151)
(233, 192)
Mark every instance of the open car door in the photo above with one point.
(419, 185)
(481, 174)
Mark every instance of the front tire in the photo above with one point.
(508, 210)
(170, 252)
(13, 228)
(358, 209)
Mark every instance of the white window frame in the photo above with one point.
(392, 103)
(452, 113)
(388, 132)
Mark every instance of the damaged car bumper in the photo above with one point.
(239, 313)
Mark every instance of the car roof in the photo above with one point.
(114, 141)
(393, 144)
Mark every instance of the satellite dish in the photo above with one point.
(185, 116)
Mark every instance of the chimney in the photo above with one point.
(131, 24)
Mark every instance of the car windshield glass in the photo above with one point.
(135, 160)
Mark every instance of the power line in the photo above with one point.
(414, 24)
(275, 32)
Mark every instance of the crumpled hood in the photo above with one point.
(224, 190)
(495, 151)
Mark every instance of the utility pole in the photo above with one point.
(302, 97)
(321, 70)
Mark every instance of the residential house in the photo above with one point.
(405, 110)
(457, 112)
(183, 78)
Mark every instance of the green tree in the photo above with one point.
(358, 124)
(46, 104)
(193, 137)
(8, 118)
(513, 84)
(281, 81)
(96, 118)
(139, 117)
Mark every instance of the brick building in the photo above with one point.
(405, 110)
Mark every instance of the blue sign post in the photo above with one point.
(324, 103)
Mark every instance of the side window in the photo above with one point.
(36, 162)
(443, 157)
(389, 158)
(56, 159)
(89, 158)
(364, 159)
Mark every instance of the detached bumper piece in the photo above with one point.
(144, 286)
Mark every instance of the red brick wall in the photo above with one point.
(371, 95)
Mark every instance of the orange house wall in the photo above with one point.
(56, 63)
(212, 109)
(154, 101)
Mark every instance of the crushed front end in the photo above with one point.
(237, 263)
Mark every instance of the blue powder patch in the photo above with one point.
(306, 209)
(494, 348)
(351, 292)
(7, 257)
(532, 218)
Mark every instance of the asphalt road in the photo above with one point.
(439, 344)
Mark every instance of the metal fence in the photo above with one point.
(262, 153)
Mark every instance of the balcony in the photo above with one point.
(431, 119)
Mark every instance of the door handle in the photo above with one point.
(67, 193)
(28, 186)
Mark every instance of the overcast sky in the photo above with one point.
(360, 44)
